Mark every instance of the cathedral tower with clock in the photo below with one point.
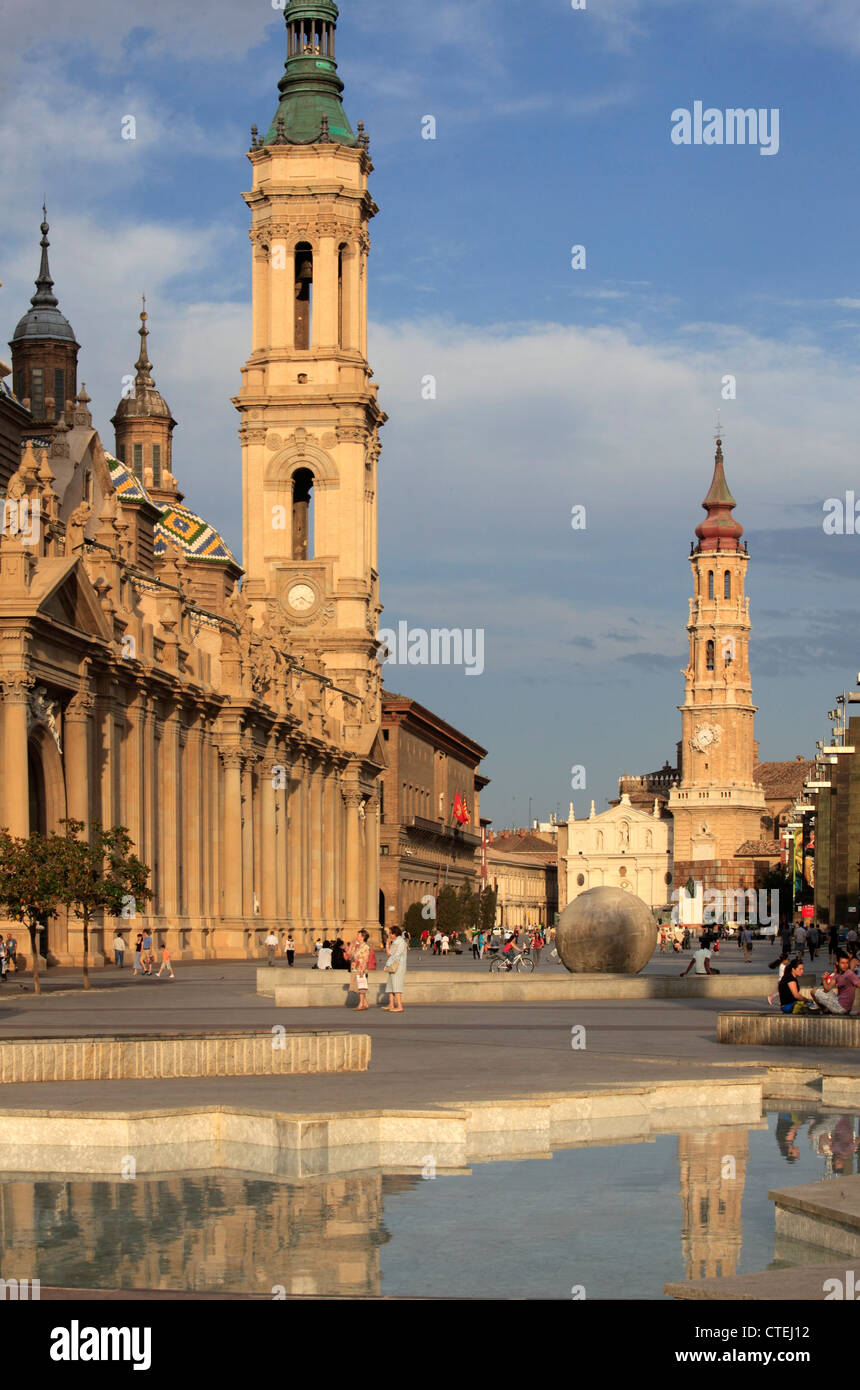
(310, 416)
(717, 807)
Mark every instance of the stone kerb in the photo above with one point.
(788, 1030)
(301, 989)
(148, 1058)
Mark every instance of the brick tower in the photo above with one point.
(717, 805)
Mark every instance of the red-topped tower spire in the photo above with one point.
(719, 530)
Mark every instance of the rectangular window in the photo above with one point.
(137, 460)
(156, 465)
(120, 452)
(59, 390)
(37, 393)
(19, 385)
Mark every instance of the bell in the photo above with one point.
(305, 271)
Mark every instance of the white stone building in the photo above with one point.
(624, 847)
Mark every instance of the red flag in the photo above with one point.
(461, 810)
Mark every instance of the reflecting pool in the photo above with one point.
(616, 1221)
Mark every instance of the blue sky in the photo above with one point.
(555, 387)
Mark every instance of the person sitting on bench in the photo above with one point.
(791, 1001)
(701, 960)
(838, 994)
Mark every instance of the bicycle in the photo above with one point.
(520, 961)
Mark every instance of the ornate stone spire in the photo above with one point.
(44, 284)
(719, 530)
(143, 364)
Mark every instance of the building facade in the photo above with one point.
(431, 770)
(234, 730)
(623, 847)
(522, 867)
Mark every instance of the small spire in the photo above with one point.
(44, 295)
(143, 364)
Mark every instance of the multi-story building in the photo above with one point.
(431, 774)
(522, 867)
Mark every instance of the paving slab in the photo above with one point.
(804, 1284)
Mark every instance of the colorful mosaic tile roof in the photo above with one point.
(176, 525)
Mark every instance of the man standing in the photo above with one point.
(146, 948)
(799, 938)
(118, 949)
(813, 941)
(746, 942)
(271, 946)
(12, 952)
(290, 949)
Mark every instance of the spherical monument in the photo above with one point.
(606, 931)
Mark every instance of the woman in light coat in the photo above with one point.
(395, 967)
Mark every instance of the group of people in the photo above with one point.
(499, 939)
(143, 960)
(838, 993)
(287, 947)
(360, 959)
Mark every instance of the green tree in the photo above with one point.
(470, 907)
(447, 910)
(29, 887)
(414, 923)
(487, 916)
(99, 874)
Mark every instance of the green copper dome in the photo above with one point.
(310, 108)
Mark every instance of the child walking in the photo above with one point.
(165, 964)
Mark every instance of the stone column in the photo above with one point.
(282, 835)
(269, 840)
(246, 846)
(315, 847)
(331, 846)
(193, 827)
(168, 783)
(232, 834)
(77, 736)
(353, 800)
(371, 833)
(296, 839)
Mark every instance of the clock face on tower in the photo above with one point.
(301, 597)
(705, 736)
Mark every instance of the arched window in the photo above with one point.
(303, 514)
(727, 584)
(709, 656)
(710, 583)
(304, 295)
(600, 839)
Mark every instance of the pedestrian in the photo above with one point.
(537, 947)
(446, 942)
(360, 968)
(138, 950)
(813, 941)
(395, 967)
(4, 961)
(437, 943)
(165, 963)
(851, 940)
(799, 938)
(146, 952)
(746, 941)
(271, 946)
(476, 937)
(290, 950)
(118, 949)
(12, 953)
(833, 943)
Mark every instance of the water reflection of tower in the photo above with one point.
(713, 1172)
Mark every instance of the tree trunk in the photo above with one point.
(37, 987)
(86, 920)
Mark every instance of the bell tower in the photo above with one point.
(310, 418)
(717, 804)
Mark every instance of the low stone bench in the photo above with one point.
(788, 1030)
(301, 988)
(275, 1052)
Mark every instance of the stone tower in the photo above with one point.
(310, 417)
(144, 428)
(45, 354)
(717, 805)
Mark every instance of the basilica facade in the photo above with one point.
(228, 715)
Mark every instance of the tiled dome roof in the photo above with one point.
(176, 525)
